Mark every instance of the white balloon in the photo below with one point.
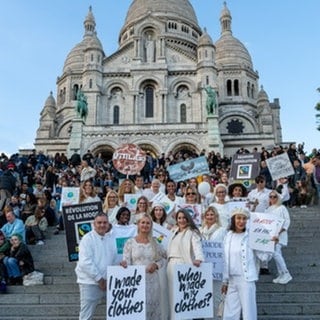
(204, 188)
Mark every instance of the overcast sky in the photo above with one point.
(36, 36)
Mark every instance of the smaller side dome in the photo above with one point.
(262, 96)
(205, 39)
(50, 102)
(75, 59)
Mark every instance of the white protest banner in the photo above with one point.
(188, 169)
(164, 200)
(194, 210)
(262, 227)
(131, 201)
(280, 166)
(126, 293)
(193, 288)
(121, 235)
(161, 234)
(69, 196)
(213, 253)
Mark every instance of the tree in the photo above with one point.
(317, 107)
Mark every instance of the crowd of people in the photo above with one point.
(30, 196)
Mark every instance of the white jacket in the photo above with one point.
(190, 246)
(96, 253)
(249, 261)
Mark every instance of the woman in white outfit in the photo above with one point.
(221, 204)
(111, 206)
(184, 247)
(211, 230)
(278, 209)
(240, 270)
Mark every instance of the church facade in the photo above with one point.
(153, 91)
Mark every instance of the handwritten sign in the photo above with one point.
(126, 297)
(263, 226)
(280, 166)
(78, 220)
(193, 297)
(213, 253)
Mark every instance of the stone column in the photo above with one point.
(75, 141)
(214, 137)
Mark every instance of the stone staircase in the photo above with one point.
(59, 297)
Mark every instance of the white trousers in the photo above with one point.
(90, 297)
(279, 260)
(241, 295)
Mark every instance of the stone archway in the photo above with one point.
(105, 150)
(185, 148)
(148, 148)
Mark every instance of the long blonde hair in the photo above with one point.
(105, 206)
(153, 242)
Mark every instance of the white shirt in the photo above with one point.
(96, 253)
(263, 198)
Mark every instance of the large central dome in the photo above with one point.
(168, 8)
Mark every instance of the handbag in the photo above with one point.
(33, 278)
(221, 307)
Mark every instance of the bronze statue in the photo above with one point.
(82, 105)
(211, 103)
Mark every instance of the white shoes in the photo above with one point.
(276, 280)
(283, 278)
(40, 243)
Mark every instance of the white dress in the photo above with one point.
(143, 254)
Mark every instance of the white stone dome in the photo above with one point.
(231, 51)
(181, 9)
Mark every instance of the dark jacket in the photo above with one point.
(22, 253)
(8, 181)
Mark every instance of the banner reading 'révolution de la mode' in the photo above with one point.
(78, 220)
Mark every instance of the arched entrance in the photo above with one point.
(185, 149)
(106, 152)
(148, 148)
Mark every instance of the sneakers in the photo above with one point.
(284, 278)
(40, 243)
(303, 206)
(276, 280)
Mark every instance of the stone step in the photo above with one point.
(43, 311)
(289, 309)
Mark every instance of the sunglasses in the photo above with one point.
(260, 181)
(273, 197)
(191, 193)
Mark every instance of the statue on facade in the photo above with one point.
(82, 105)
(211, 103)
(149, 49)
